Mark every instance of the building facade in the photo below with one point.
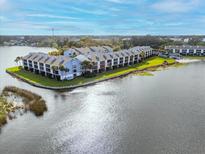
(187, 50)
(69, 65)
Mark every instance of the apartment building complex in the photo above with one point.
(70, 65)
(187, 50)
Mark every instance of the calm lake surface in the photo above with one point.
(161, 114)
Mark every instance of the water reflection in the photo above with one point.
(153, 115)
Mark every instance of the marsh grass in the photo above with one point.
(32, 101)
(179, 65)
(144, 73)
(5, 108)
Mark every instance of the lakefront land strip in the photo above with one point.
(83, 66)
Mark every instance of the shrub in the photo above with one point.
(3, 119)
(89, 75)
(35, 102)
(38, 107)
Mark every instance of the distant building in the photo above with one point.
(186, 40)
(187, 50)
(69, 65)
(175, 39)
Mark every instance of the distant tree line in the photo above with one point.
(61, 43)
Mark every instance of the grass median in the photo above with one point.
(45, 81)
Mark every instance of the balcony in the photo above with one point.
(47, 66)
(41, 68)
(48, 70)
(121, 62)
(36, 66)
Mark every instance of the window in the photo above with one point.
(41, 68)
(126, 59)
(74, 66)
(48, 70)
(115, 61)
(56, 72)
(35, 66)
(102, 63)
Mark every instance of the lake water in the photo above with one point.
(161, 114)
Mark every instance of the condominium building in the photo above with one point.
(187, 50)
(69, 65)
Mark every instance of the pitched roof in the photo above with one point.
(185, 47)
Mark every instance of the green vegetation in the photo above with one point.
(5, 108)
(38, 79)
(144, 74)
(38, 107)
(195, 57)
(179, 65)
(34, 102)
(60, 43)
(115, 43)
(86, 65)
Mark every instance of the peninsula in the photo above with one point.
(84, 66)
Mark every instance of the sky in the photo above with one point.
(102, 17)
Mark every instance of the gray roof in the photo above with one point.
(93, 54)
(61, 60)
(82, 58)
(186, 47)
(47, 59)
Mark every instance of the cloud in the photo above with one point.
(123, 1)
(116, 1)
(173, 24)
(51, 16)
(95, 12)
(3, 2)
(4, 5)
(175, 6)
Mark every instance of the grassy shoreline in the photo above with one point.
(45, 81)
(195, 57)
(30, 101)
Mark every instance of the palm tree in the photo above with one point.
(63, 68)
(55, 68)
(86, 65)
(17, 60)
(142, 55)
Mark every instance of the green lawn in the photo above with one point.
(195, 57)
(154, 61)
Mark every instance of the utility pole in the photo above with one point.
(52, 29)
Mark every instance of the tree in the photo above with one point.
(86, 65)
(142, 55)
(62, 68)
(148, 40)
(17, 60)
(54, 68)
(195, 40)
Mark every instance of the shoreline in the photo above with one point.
(9, 109)
(84, 84)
